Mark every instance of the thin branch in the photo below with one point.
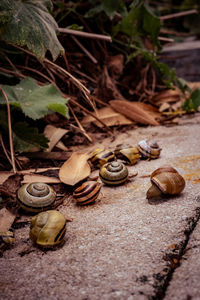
(12, 73)
(4, 150)
(165, 39)
(93, 59)
(79, 125)
(86, 34)
(179, 14)
(37, 72)
(10, 131)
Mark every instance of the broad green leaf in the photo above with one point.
(35, 101)
(28, 23)
(26, 137)
(195, 97)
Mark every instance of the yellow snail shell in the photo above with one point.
(48, 228)
(165, 181)
(149, 149)
(36, 196)
(127, 153)
(100, 157)
(113, 173)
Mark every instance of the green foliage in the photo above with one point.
(34, 100)
(192, 103)
(28, 23)
(110, 7)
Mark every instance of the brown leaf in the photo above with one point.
(54, 135)
(28, 178)
(75, 169)
(116, 65)
(194, 85)
(109, 116)
(6, 219)
(4, 175)
(107, 88)
(167, 96)
(138, 112)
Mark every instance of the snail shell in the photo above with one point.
(48, 228)
(36, 196)
(100, 157)
(127, 153)
(87, 192)
(7, 237)
(113, 173)
(165, 181)
(149, 149)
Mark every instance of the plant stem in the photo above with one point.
(10, 131)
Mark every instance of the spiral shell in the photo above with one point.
(100, 156)
(87, 193)
(48, 228)
(36, 196)
(149, 149)
(113, 173)
(165, 181)
(7, 237)
(127, 153)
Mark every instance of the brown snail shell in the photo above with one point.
(36, 196)
(127, 153)
(113, 173)
(149, 149)
(101, 156)
(165, 181)
(87, 193)
(48, 228)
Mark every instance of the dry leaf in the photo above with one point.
(107, 88)
(138, 112)
(6, 219)
(75, 169)
(4, 175)
(54, 135)
(109, 116)
(116, 65)
(28, 178)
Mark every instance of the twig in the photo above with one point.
(179, 14)
(165, 39)
(93, 59)
(86, 34)
(90, 113)
(37, 72)
(12, 73)
(4, 149)
(79, 124)
(10, 131)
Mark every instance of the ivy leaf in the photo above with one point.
(35, 101)
(26, 137)
(28, 23)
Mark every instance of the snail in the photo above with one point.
(87, 192)
(7, 237)
(149, 149)
(127, 153)
(48, 228)
(113, 173)
(165, 181)
(36, 196)
(100, 156)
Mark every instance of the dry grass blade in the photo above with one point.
(75, 169)
(138, 112)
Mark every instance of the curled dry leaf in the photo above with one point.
(75, 169)
(137, 111)
(6, 219)
(109, 116)
(54, 135)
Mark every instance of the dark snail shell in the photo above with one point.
(100, 157)
(149, 149)
(48, 228)
(87, 192)
(36, 196)
(113, 173)
(127, 153)
(165, 181)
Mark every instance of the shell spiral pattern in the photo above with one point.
(149, 149)
(87, 193)
(113, 173)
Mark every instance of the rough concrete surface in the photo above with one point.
(123, 247)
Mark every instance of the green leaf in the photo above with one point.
(28, 23)
(26, 137)
(35, 101)
(195, 97)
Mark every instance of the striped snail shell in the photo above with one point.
(87, 192)
(127, 153)
(165, 181)
(48, 228)
(101, 156)
(7, 237)
(36, 196)
(149, 149)
(113, 173)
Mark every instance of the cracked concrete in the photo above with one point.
(123, 247)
